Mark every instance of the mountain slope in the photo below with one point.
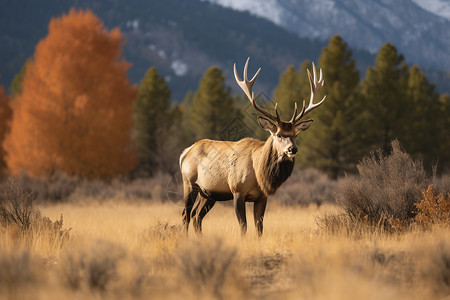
(181, 38)
(422, 35)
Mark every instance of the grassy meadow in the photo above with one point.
(121, 250)
(382, 235)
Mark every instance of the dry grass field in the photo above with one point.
(134, 250)
(382, 235)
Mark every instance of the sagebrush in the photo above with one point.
(384, 196)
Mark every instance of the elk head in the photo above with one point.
(284, 134)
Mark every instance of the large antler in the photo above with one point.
(247, 85)
(315, 85)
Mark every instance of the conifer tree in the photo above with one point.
(287, 92)
(187, 132)
(443, 134)
(331, 142)
(152, 120)
(421, 137)
(212, 108)
(74, 113)
(383, 90)
(5, 116)
(174, 144)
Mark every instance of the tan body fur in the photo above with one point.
(247, 171)
(222, 167)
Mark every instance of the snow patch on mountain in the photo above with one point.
(268, 9)
(179, 67)
(437, 7)
(133, 24)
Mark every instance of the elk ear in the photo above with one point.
(266, 124)
(302, 126)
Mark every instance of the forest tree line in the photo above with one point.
(72, 109)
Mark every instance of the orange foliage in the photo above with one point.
(433, 209)
(75, 110)
(5, 116)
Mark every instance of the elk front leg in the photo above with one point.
(258, 213)
(239, 207)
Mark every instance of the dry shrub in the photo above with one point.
(434, 266)
(19, 270)
(333, 224)
(338, 224)
(384, 196)
(346, 269)
(441, 184)
(92, 269)
(107, 270)
(307, 186)
(155, 188)
(16, 205)
(165, 231)
(266, 272)
(22, 221)
(57, 187)
(52, 232)
(209, 270)
(165, 237)
(433, 209)
(61, 187)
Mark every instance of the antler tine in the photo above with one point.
(295, 113)
(315, 86)
(276, 111)
(246, 85)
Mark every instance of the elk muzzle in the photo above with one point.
(292, 151)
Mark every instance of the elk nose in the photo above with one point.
(293, 150)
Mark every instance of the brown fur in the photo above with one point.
(271, 170)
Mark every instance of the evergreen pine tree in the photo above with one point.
(174, 143)
(287, 92)
(330, 142)
(383, 90)
(187, 132)
(421, 136)
(152, 120)
(213, 108)
(443, 133)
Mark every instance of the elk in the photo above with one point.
(248, 170)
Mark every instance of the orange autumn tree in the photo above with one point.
(5, 116)
(75, 111)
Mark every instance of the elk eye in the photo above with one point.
(278, 135)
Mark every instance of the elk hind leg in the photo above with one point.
(258, 213)
(190, 195)
(205, 205)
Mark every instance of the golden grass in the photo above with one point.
(120, 250)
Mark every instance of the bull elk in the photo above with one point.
(248, 170)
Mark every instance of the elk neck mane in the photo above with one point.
(271, 171)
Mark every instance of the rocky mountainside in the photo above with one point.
(420, 29)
